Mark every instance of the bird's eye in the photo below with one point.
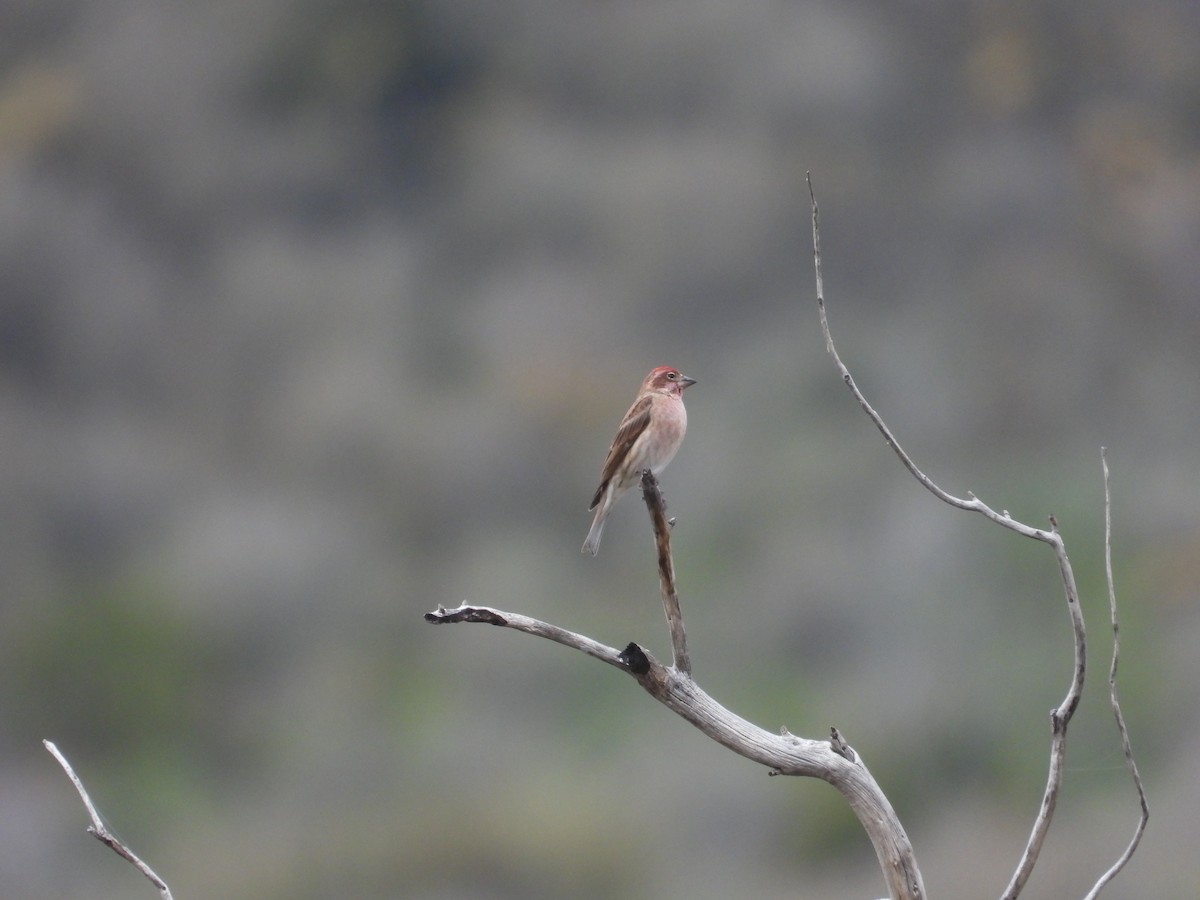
(672, 375)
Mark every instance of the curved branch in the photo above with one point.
(1061, 716)
(832, 761)
(1114, 702)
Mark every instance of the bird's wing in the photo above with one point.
(630, 430)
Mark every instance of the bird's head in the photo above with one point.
(667, 380)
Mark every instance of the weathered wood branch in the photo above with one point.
(98, 830)
(666, 571)
(1114, 700)
(1060, 717)
(832, 761)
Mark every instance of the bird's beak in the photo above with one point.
(686, 382)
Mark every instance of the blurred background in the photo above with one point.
(316, 315)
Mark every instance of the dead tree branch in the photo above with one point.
(832, 761)
(1114, 702)
(666, 571)
(1060, 717)
(98, 830)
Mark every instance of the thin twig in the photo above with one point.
(98, 830)
(666, 571)
(490, 616)
(1060, 717)
(1126, 746)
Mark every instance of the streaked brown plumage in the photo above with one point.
(647, 438)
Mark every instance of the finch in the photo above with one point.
(647, 438)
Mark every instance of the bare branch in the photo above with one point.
(835, 761)
(536, 627)
(1060, 717)
(666, 571)
(1126, 746)
(783, 754)
(832, 761)
(98, 830)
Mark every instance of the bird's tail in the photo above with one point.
(591, 545)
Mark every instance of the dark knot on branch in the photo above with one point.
(443, 616)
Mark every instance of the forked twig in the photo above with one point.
(98, 830)
(1061, 716)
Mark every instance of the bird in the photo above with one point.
(647, 438)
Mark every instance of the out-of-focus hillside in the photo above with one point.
(316, 315)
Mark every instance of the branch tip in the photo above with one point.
(464, 613)
(1061, 717)
(839, 746)
(100, 832)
